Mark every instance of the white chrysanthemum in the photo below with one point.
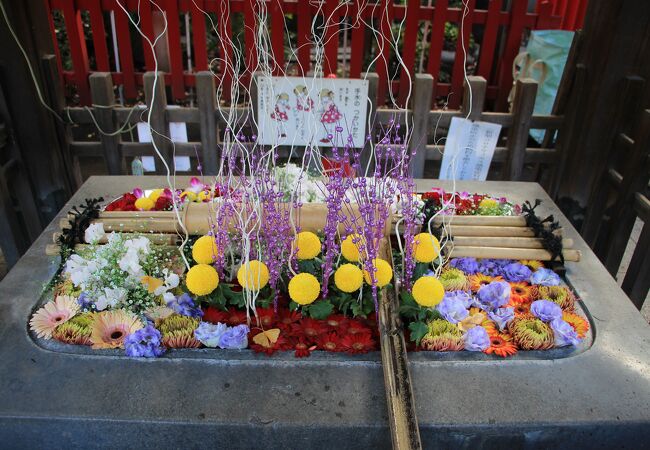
(94, 233)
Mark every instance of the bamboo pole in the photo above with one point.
(494, 221)
(511, 253)
(470, 230)
(509, 242)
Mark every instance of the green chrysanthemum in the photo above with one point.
(454, 280)
(178, 331)
(442, 336)
(66, 288)
(531, 333)
(76, 330)
(561, 295)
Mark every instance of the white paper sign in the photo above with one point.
(177, 133)
(306, 111)
(469, 149)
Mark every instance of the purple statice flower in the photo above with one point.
(452, 309)
(184, 305)
(494, 295)
(476, 339)
(545, 277)
(564, 333)
(501, 316)
(235, 337)
(210, 334)
(516, 272)
(85, 303)
(546, 310)
(144, 343)
(460, 296)
(468, 265)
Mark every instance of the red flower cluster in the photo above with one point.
(127, 203)
(464, 203)
(301, 334)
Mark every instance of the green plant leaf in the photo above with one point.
(320, 309)
(418, 331)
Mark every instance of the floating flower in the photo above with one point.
(202, 279)
(546, 310)
(578, 323)
(204, 250)
(383, 272)
(453, 310)
(110, 328)
(532, 264)
(304, 288)
(185, 306)
(235, 338)
(427, 291)
(564, 333)
(350, 247)
(236, 317)
(516, 272)
(178, 331)
(337, 322)
(94, 233)
(494, 295)
(53, 314)
(155, 194)
(288, 318)
(560, 295)
(476, 339)
(522, 293)
(254, 275)
(348, 278)
(76, 330)
(158, 312)
(265, 317)
(522, 309)
(454, 280)
(501, 316)
(545, 277)
(311, 328)
(426, 247)
(308, 245)
(479, 280)
(474, 319)
(442, 336)
(144, 204)
(214, 315)
(468, 265)
(144, 343)
(530, 333)
(460, 296)
(501, 345)
(493, 267)
(302, 349)
(330, 342)
(151, 283)
(358, 343)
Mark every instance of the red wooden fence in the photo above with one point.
(501, 29)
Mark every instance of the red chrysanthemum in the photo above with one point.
(214, 315)
(330, 342)
(302, 350)
(358, 343)
(356, 326)
(337, 322)
(236, 317)
(288, 318)
(501, 345)
(265, 317)
(310, 328)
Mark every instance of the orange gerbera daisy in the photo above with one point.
(579, 323)
(501, 345)
(522, 309)
(478, 280)
(522, 292)
(532, 264)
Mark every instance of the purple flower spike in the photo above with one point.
(545, 277)
(476, 339)
(452, 309)
(144, 343)
(468, 265)
(564, 333)
(494, 295)
(235, 337)
(516, 272)
(502, 316)
(546, 310)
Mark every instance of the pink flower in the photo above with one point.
(53, 314)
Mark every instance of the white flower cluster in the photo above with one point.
(291, 177)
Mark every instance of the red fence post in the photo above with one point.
(99, 37)
(277, 36)
(513, 43)
(122, 25)
(386, 15)
(437, 39)
(304, 32)
(331, 36)
(199, 50)
(356, 46)
(78, 52)
(488, 46)
(412, 25)
(175, 52)
(458, 72)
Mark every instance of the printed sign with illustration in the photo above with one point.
(311, 111)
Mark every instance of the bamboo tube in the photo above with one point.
(158, 239)
(509, 242)
(469, 230)
(511, 253)
(493, 221)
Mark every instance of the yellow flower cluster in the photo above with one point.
(204, 250)
(144, 203)
(304, 288)
(426, 247)
(428, 291)
(383, 272)
(308, 245)
(254, 275)
(348, 278)
(202, 279)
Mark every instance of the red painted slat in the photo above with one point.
(560, 8)
(304, 37)
(488, 46)
(571, 16)
(411, 25)
(330, 36)
(581, 14)
(122, 25)
(457, 72)
(199, 47)
(99, 37)
(146, 25)
(544, 13)
(356, 46)
(277, 36)
(513, 44)
(437, 37)
(55, 43)
(78, 53)
(175, 51)
(385, 18)
(250, 24)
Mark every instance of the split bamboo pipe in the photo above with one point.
(509, 242)
(495, 231)
(511, 253)
(493, 221)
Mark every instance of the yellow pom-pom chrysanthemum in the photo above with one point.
(348, 278)
(428, 291)
(350, 247)
(144, 204)
(308, 245)
(204, 250)
(426, 248)
(253, 275)
(487, 203)
(204, 196)
(202, 279)
(383, 274)
(304, 288)
(155, 194)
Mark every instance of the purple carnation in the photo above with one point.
(546, 310)
(235, 337)
(452, 309)
(516, 272)
(468, 265)
(502, 316)
(545, 277)
(184, 305)
(476, 339)
(564, 333)
(494, 295)
(144, 342)
(460, 296)
(209, 334)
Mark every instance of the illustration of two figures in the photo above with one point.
(329, 112)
